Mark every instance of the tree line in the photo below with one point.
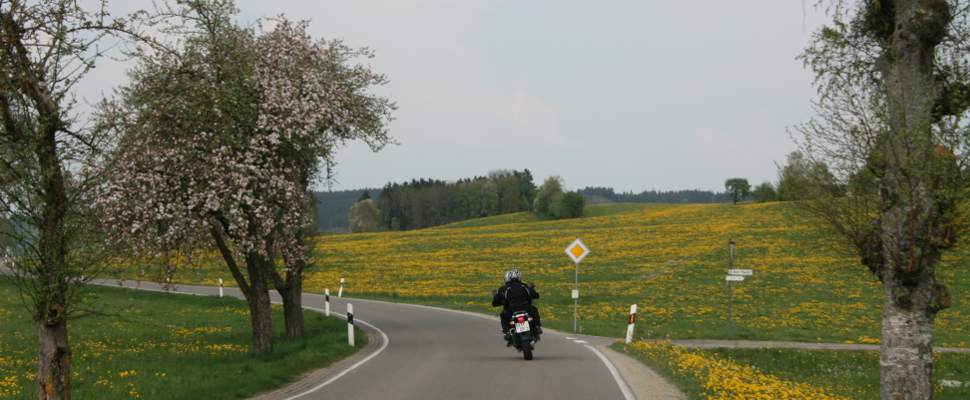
(423, 203)
(596, 195)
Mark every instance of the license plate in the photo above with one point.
(521, 327)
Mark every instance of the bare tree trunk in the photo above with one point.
(292, 295)
(906, 356)
(260, 309)
(53, 275)
(53, 361)
(910, 213)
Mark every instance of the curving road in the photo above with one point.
(425, 353)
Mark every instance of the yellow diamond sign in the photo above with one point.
(577, 251)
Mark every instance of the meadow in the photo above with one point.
(669, 259)
(785, 373)
(136, 344)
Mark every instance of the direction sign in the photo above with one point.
(577, 251)
(734, 278)
(740, 272)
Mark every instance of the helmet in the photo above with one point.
(512, 275)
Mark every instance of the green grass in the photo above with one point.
(594, 210)
(164, 346)
(852, 374)
(668, 259)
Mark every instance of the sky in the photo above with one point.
(634, 95)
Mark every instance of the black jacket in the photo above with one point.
(514, 296)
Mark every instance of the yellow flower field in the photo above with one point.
(669, 259)
(723, 379)
(160, 346)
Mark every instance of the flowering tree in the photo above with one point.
(220, 141)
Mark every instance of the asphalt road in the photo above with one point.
(431, 353)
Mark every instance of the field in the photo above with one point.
(162, 346)
(669, 259)
(785, 373)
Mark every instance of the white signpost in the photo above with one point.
(734, 275)
(577, 251)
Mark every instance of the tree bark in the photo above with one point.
(292, 295)
(54, 360)
(260, 309)
(906, 356)
(910, 214)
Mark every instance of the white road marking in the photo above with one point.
(385, 342)
(624, 388)
(580, 341)
(627, 393)
(356, 365)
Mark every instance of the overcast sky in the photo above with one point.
(675, 94)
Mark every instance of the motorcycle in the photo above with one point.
(522, 336)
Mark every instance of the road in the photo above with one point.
(432, 353)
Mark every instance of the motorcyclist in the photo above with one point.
(516, 296)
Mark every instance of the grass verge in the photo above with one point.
(787, 373)
(163, 346)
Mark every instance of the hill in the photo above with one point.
(669, 259)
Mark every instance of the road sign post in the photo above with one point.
(734, 275)
(730, 309)
(577, 251)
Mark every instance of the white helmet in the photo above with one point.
(512, 275)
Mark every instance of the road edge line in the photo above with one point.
(385, 340)
(624, 388)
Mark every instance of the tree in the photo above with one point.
(544, 199)
(45, 49)
(237, 176)
(893, 82)
(739, 188)
(764, 192)
(364, 216)
(802, 179)
(568, 205)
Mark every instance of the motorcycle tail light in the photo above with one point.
(521, 319)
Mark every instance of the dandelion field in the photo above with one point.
(669, 259)
(162, 346)
(787, 373)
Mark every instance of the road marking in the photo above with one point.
(356, 365)
(627, 393)
(624, 388)
(385, 341)
(570, 338)
(580, 341)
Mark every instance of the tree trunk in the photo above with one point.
(906, 190)
(260, 309)
(906, 356)
(54, 361)
(53, 274)
(293, 306)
